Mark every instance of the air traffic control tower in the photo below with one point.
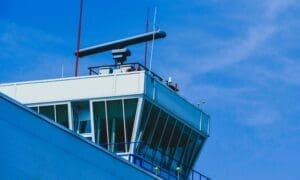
(126, 109)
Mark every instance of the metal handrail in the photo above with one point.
(137, 66)
(170, 174)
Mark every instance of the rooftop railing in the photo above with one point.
(128, 67)
(156, 168)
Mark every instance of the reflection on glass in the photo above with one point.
(189, 151)
(145, 116)
(130, 110)
(84, 126)
(146, 113)
(196, 150)
(115, 126)
(180, 149)
(48, 111)
(204, 122)
(100, 124)
(190, 147)
(162, 120)
(62, 115)
(34, 108)
(81, 117)
(148, 132)
(166, 141)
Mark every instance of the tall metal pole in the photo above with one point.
(152, 46)
(146, 43)
(78, 39)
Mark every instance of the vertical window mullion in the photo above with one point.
(195, 150)
(55, 116)
(153, 130)
(146, 123)
(107, 132)
(185, 149)
(124, 125)
(162, 134)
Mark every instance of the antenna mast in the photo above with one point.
(78, 38)
(146, 43)
(151, 55)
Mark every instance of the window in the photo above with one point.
(57, 113)
(81, 117)
(47, 111)
(113, 123)
(199, 143)
(130, 106)
(62, 114)
(115, 126)
(189, 149)
(167, 141)
(100, 123)
(149, 130)
(35, 108)
(158, 131)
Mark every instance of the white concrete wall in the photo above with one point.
(74, 88)
(91, 87)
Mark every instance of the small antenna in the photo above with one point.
(62, 70)
(146, 43)
(78, 38)
(152, 46)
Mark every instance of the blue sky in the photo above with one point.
(241, 57)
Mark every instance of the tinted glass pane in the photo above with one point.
(130, 110)
(116, 126)
(180, 150)
(149, 130)
(204, 122)
(174, 141)
(146, 112)
(167, 133)
(47, 111)
(34, 108)
(196, 150)
(100, 124)
(189, 150)
(183, 143)
(166, 142)
(162, 120)
(84, 126)
(81, 117)
(62, 115)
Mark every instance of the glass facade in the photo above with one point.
(81, 118)
(161, 138)
(113, 123)
(56, 112)
(166, 141)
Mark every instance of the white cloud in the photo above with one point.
(275, 7)
(260, 117)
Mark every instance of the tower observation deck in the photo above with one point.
(126, 109)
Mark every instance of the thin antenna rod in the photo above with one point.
(62, 70)
(152, 46)
(78, 38)
(146, 43)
